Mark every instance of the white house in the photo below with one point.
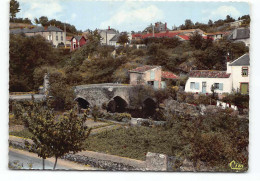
(240, 70)
(201, 81)
(234, 79)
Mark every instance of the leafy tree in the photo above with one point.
(229, 19)
(210, 23)
(26, 54)
(43, 20)
(52, 135)
(196, 40)
(14, 8)
(123, 39)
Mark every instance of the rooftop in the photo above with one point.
(169, 75)
(36, 29)
(208, 74)
(243, 60)
(143, 68)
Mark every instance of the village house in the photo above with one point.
(240, 35)
(216, 35)
(68, 41)
(107, 35)
(77, 42)
(53, 34)
(239, 70)
(150, 75)
(234, 79)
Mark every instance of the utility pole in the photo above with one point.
(153, 29)
(65, 38)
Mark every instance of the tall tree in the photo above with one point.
(14, 8)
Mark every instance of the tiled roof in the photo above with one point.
(158, 35)
(184, 37)
(208, 74)
(169, 75)
(68, 38)
(143, 68)
(243, 60)
(36, 29)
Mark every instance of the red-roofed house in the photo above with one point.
(150, 75)
(201, 81)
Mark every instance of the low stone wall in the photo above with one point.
(153, 162)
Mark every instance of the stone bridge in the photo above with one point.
(116, 97)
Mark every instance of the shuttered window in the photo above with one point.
(156, 84)
(152, 75)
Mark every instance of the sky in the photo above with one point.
(129, 15)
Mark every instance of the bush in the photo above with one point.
(122, 116)
(240, 100)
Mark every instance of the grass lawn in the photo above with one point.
(133, 142)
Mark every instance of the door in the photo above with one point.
(204, 85)
(244, 88)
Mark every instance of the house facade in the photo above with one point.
(77, 42)
(240, 71)
(240, 35)
(150, 75)
(106, 35)
(52, 34)
(234, 79)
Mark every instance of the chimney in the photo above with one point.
(45, 27)
(108, 27)
(165, 26)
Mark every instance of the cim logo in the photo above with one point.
(236, 166)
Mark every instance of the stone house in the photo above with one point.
(240, 35)
(234, 79)
(77, 42)
(150, 75)
(53, 34)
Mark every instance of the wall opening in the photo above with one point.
(149, 107)
(118, 104)
(82, 103)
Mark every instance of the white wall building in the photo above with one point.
(236, 78)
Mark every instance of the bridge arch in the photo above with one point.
(82, 103)
(149, 107)
(117, 104)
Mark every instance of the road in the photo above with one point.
(26, 160)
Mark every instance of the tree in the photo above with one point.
(210, 23)
(54, 135)
(196, 40)
(229, 19)
(43, 20)
(14, 8)
(188, 24)
(123, 39)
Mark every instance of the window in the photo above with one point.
(61, 38)
(150, 83)
(244, 71)
(192, 85)
(218, 86)
(57, 38)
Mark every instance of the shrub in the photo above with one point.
(121, 116)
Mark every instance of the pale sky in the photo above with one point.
(129, 15)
